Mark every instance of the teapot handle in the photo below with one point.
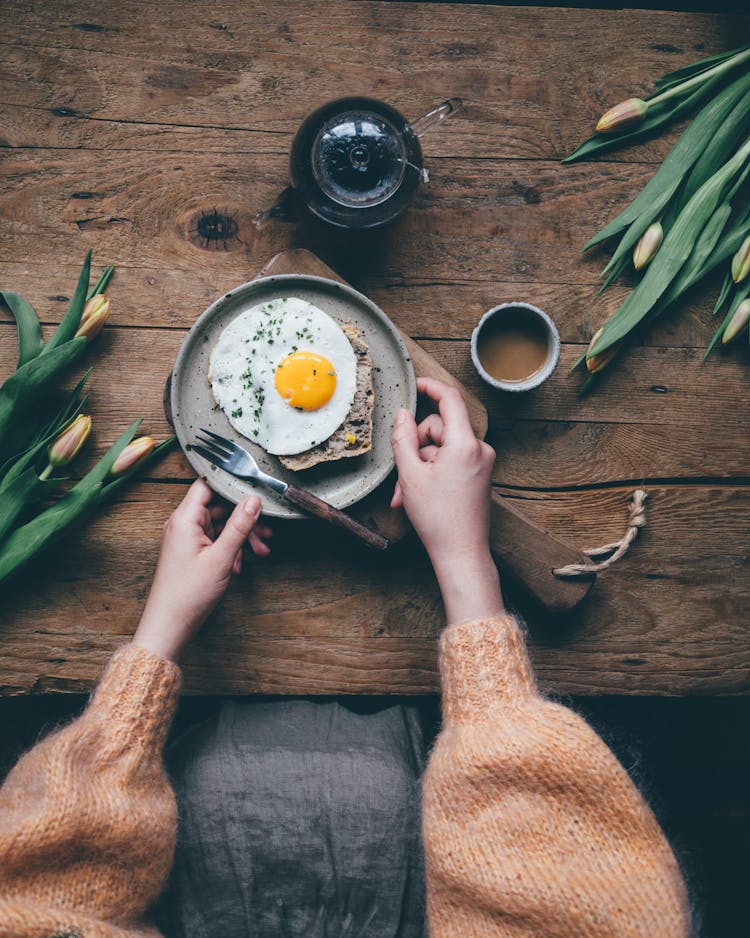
(436, 116)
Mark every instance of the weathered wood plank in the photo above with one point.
(546, 454)
(692, 423)
(663, 387)
(667, 619)
(145, 216)
(447, 308)
(533, 82)
(107, 144)
(144, 212)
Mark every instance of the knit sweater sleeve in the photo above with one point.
(531, 825)
(87, 817)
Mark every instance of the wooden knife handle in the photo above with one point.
(316, 506)
(529, 553)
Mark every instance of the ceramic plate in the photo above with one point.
(193, 406)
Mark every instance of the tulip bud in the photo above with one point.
(133, 453)
(93, 317)
(737, 323)
(69, 443)
(622, 115)
(741, 262)
(599, 362)
(648, 245)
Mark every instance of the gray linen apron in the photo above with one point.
(298, 818)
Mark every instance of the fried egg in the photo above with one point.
(284, 374)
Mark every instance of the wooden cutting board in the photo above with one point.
(522, 548)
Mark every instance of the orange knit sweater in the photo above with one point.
(531, 826)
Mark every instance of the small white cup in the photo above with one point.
(543, 372)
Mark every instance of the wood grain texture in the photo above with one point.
(447, 308)
(114, 139)
(535, 214)
(628, 430)
(534, 81)
(321, 616)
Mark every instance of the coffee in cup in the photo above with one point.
(515, 346)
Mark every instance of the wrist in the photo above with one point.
(159, 635)
(475, 560)
(470, 585)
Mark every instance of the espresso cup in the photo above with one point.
(515, 347)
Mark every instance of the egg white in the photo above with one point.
(242, 372)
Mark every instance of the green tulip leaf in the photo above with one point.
(71, 320)
(25, 489)
(72, 509)
(634, 233)
(67, 413)
(677, 77)
(29, 330)
(22, 390)
(673, 254)
(101, 283)
(722, 142)
(726, 288)
(741, 294)
(613, 272)
(683, 155)
(702, 250)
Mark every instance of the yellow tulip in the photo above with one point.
(133, 453)
(93, 317)
(648, 245)
(737, 323)
(622, 115)
(599, 362)
(741, 262)
(70, 442)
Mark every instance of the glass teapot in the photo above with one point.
(356, 163)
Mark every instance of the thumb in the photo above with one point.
(405, 442)
(236, 530)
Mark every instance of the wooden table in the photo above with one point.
(131, 128)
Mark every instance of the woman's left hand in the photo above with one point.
(201, 548)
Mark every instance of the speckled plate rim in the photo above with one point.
(362, 473)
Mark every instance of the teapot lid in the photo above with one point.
(358, 157)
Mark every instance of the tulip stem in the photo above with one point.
(47, 472)
(699, 79)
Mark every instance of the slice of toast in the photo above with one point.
(354, 436)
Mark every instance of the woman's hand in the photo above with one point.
(444, 479)
(201, 548)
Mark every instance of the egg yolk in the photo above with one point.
(306, 380)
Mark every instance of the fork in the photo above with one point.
(232, 458)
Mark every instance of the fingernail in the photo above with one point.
(401, 415)
(252, 505)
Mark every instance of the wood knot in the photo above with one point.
(218, 229)
(214, 226)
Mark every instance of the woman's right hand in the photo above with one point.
(201, 548)
(444, 482)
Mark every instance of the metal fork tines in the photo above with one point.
(234, 459)
(231, 457)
